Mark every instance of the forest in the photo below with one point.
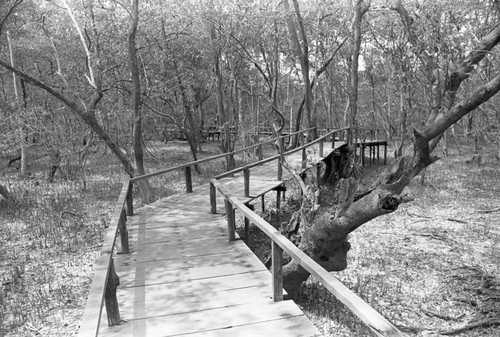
(95, 91)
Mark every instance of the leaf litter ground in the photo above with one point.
(431, 267)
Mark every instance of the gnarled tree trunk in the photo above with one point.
(321, 229)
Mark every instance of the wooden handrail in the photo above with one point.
(105, 280)
(275, 157)
(222, 155)
(246, 168)
(376, 322)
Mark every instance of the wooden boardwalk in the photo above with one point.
(185, 278)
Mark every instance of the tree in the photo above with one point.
(84, 108)
(302, 53)
(360, 8)
(137, 101)
(222, 113)
(321, 230)
(82, 97)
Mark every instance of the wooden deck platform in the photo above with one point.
(185, 278)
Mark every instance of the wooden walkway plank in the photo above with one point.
(193, 287)
(153, 273)
(290, 326)
(160, 305)
(225, 318)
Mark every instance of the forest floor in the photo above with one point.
(431, 267)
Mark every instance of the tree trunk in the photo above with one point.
(190, 129)
(360, 8)
(22, 135)
(302, 53)
(404, 107)
(223, 121)
(136, 102)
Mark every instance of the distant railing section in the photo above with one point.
(376, 322)
(188, 166)
(363, 135)
(328, 135)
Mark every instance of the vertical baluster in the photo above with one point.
(130, 200)
(213, 200)
(112, 309)
(188, 178)
(277, 269)
(231, 220)
(122, 225)
(246, 182)
(247, 225)
(281, 145)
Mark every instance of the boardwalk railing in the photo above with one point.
(376, 322)
(105, 281)
(279, 158)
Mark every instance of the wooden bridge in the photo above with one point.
(184, 271)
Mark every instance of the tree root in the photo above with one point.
(431, 313)
(485, 323)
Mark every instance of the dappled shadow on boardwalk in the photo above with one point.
(184, 277)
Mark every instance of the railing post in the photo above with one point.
(261, 156)
(122, 225)
(321, 147)
(112, 310)
(278, 208)
(333, 140)
(385, 153)
(189, 180)
(362, 154)
(304, 158)
(246, 182)
(281, 145)
(318, 174)
(247, 225)
(213, 200)
(231, 221)
(277, 269)
(130, 199)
